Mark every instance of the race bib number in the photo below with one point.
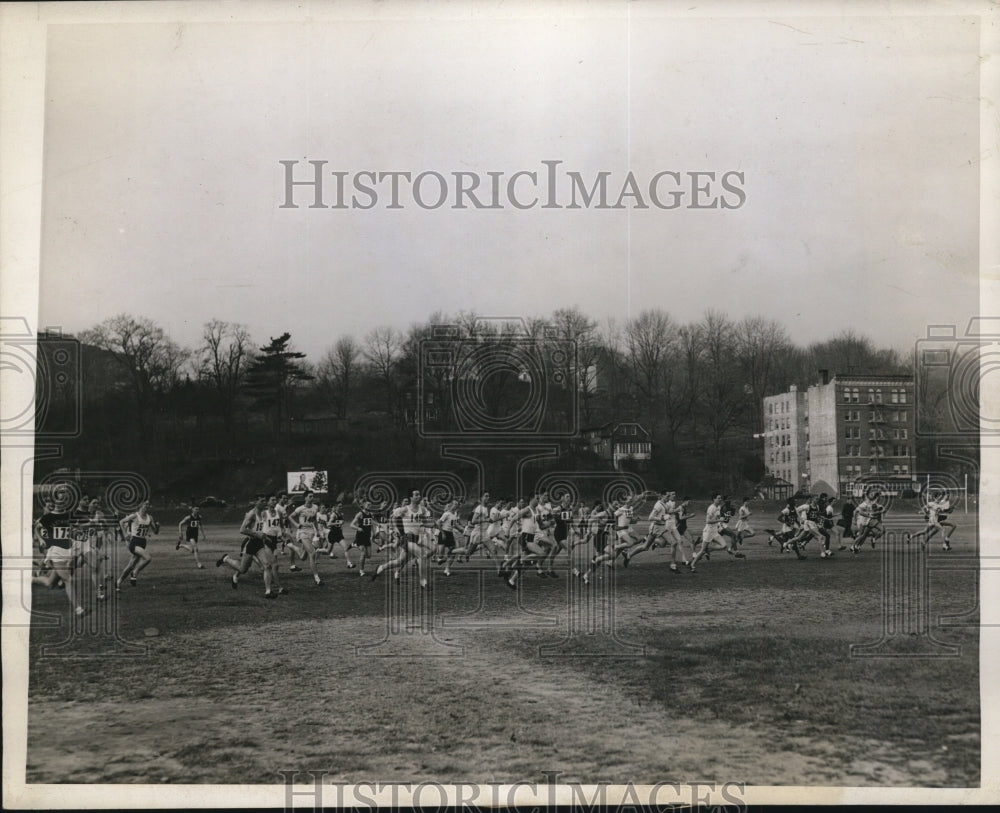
(62, 532)
(566, 516)
(193, 523)
(141, 531)
(367, 521)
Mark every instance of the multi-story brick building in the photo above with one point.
(846, 427)
(786, 454)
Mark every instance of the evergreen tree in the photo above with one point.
(272, 378)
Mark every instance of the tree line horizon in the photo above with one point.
(697, 387)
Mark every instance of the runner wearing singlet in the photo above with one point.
(743, 529)
(303, 521)
(531, 546)
(54, 534)
(869, 521)
(657, 529)
(336, 533)
(446, 539)
(864, 516)
(514, 526)
(323, 529)
(396, 532)
(787, 530)
(261, 531)
(362, 525)
(600, 516)
(478, 524)
(678, 513)
(806, 516)
(579, 534)
(138, 528)
(494, 530)
(89, 531)
(189, 531)
(416, 547)
(936, 512)
(280, 508)
(545, 523)
(845, 523)
(623, 512)
(561, 518)
(711, 536)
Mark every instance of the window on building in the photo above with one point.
(878, 396)
(902, 396)
(905, 468)
(902, 434)
(894, 396)
(855, 395)
(847, 395)
(871, 434)
(902, 416)
(871, 396)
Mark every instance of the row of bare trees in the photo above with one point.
(697, 386)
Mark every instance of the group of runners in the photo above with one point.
(816, 519)
(75, 544)
(517, 535)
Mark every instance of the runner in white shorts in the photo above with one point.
(304, 521)
(711, 536)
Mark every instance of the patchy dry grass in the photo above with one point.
(745, 675)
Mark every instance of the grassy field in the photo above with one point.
(742, 672)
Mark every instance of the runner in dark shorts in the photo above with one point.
(256, 546)
(362, 525)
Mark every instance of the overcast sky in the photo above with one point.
(858, 140)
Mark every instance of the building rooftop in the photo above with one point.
(864, 378)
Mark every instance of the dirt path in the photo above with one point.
(240, 713)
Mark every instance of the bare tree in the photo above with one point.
(149, 357)
(338, 371)
(760, 345)
(577, 366)
(648, 339)
(723, 390)
(224, 357)
(849, 352)
(383, 349)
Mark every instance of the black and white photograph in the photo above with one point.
(474, 404)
